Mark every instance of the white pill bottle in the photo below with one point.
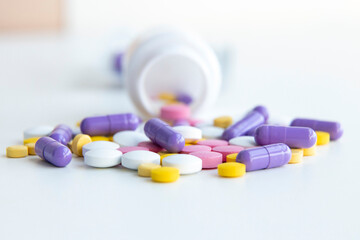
(171, 61)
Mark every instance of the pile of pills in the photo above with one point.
(174, 144)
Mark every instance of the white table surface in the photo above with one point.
(51, 80)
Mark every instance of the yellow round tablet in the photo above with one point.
(231, 169)
(231, 157)
(31, 148)
(223, 122)
(165, 174)
(144, 169)
(78, 142)
(17, 151)
(310, 151)
(99, 138)
(322, 138)
(296, 156)
(31, 140)
(167, 96)
(165, 155)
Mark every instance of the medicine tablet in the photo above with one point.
(129, 138)
(174, 112)
(187, 164)
(151, 146)
(231, 169)
(296, 156)
(31, 148)
(99, 138)
(78, 142)
(133, 159)
(189, 133)
(130, 149)
(38, 131)
(31, 140)
(144, 169)
(53, 151)
(165, 174)
(167, 96)
(16, 151)
(213, 143)
(223, 122)
(99, 145)
(195, 148)
(211, 132)
(102, 158)
(209, 159)
(231, 157)
(226, 150)
(323, 138)
(243, 141)
(310, 151)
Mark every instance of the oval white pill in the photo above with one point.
(211, 132)
(99, 145)
(102, 158)
(187, 164)
(243, 141)
(129, 138)
(188, 132)
(133, 159)
(38, 131)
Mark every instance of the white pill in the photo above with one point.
(129, 138)
(38, 131)
(244, 141)
(99, 145)
(187, 164)
(133, 159)
(212, 132)
(102, 158)
(188, 132)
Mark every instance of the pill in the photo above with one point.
(167, 96)
(231, 157)
(294, 137)
(31, 148)
(102, 158)
(195, 148)
(16, 151)
(38, 131)
(78, 142)
(231, 169)
(53, 151)
(151, 146)
(31, 140)
(213, 143)
(310, 151)
(296, 156)
(226, 150)
(99, 145)
(209, 159)
(211, 132)
(243, 141)
(99, 138)
(144, 169)
(323, 138)
(270, 156)
(129, 138)
(333, 128)
(189, 133)
(162, 156)
(165, 136)
(253, 119)
(133, 159)
(187, 164)
(130, 149)
(165, 174)
(174, 112)
(62, 133)
(181, 122)
(109, 124)
(223, 121)
(184, 98)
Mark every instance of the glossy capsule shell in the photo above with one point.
(109, 124)
(294, 137)
(61, 133)
(253, 119)
(333, 128)
(165, 136)
(52, 151)
(270, 156)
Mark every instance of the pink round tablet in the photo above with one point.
(193, 121)
(209, 159)
(213, 143)
(174, 112)
(130, 149)
(226, 150)
(153, 147)
(196, 148)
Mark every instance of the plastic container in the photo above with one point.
(171, 61)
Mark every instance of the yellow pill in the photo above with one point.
(310, 151)
(31, 148)
(111, 139)
(231, 169)
(167, 96)
(202, 139)
(165, 174)
(17, 151)
(99, 138)
(31, 140)
(78, 142)
(164, 156)
(296, 156)
(231, 157)
(223, 122)
(322, 138)
(78, 123)
(144, 169)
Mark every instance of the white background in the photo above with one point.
(298, 59)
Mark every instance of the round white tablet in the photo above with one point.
(38, 131)
(243, 141)
(188, 132)
(211, 132)
(133, 159)
(187, 164)
(102, 158)
(99, 145)
(129, 138)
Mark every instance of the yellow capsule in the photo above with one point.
(231, 169)
(296, 156)
(78, 142)
(162, 156)
(223, 122)
(231, 157)
(322, 138)
(310, 151)
(31, 140)
(144, 169)
(17, 151)
(31, 148)
(99, 138)
(165, 174)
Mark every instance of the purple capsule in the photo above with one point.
(162, 134)
(294, 137)
(110, 124)
(181, 122)
(53, 151)
(333, 128)
(184, 98)
(62, 133)
(270, 156)
(252, 120)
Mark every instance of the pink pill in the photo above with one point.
(196, 148)
(175, 112)
(153, 147)
(209, 159)
(129, 149)
(226, 150)
(213, 143)
(193, 122)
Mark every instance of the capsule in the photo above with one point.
(270, 156)
(294, 137)
(62, 133)
(333, 128)
(162, 134)
(53, 151)
(109, 124)
(253, 119)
